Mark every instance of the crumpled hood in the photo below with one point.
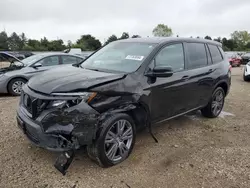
(70, 78)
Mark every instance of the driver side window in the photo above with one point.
(171, 55)
(49, 61)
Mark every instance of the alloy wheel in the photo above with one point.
(217, 103)
(17, 87)
(118, 140)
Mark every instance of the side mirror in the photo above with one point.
(37, 65)
(160, 71)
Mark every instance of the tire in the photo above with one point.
(245, 78)
(99, 150)
(18, 82)
(209, 111)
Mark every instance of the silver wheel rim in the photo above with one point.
(118, 140)
(17, 87)
(217, 103)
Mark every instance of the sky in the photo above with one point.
(69, 19)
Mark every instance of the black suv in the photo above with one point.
(126, 85)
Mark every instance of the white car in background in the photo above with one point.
(246, 73)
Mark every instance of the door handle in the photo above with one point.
(185, 78)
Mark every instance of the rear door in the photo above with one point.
(200, 71)
(218, 65)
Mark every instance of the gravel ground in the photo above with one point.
(192, 152)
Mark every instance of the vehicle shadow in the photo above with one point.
(6, 95)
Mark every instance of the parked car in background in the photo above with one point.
(246, 72)
(17, 55)
(234, 59)
(26, 54)
(20, 71)
(124, 86)
(245, 58)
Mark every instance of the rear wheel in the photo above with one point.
(15, 86)
(215, 105)
(115, 141)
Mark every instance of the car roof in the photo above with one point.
(159, 40)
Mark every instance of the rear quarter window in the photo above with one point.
(215, 53)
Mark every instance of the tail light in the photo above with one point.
(230, 68)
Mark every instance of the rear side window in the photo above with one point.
(215, 53)
(196, 54)
(70, 59)
(49, 61)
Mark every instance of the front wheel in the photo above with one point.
(115, 140)
(15, 86)
(215, 105)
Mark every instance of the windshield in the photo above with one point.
(32, 59)
(119, 57)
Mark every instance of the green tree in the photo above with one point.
(111, 39)
(35, 45)
(248, 45)
(4, 41)
(162, 30)
(228, 44)
(15, 42)
(23, 40)
(45, 43)
(208, 37)
(241, 38)
(218, 39)
(88, 43)
(56, 45)
(136, 36)
(69, 44)
(125, 35)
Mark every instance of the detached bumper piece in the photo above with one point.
(63, 161)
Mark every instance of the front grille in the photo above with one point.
(34, 105)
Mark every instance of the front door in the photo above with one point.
(170, 96)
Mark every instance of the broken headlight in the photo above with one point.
(79, 97)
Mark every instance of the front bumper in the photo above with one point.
(56, 129)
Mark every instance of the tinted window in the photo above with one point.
(215, 53)
(196, 55)
(49, 61)
(172, 56)
(70, 60)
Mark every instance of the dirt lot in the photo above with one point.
(192, 152)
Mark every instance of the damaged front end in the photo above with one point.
(57, 123)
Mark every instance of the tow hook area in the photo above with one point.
(64, 160)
